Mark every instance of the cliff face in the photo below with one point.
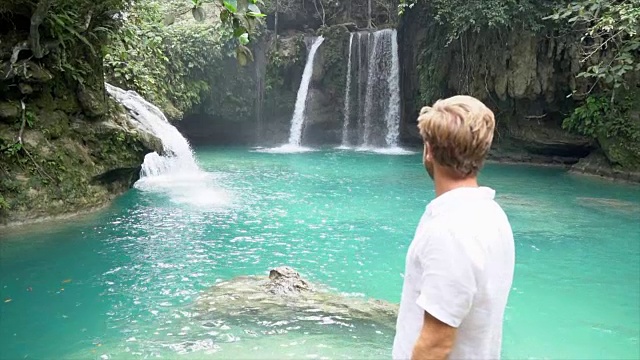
(525, 78)
(64, 145)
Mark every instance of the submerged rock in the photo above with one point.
(286, 281)
(285, 295)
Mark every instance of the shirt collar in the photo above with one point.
(461, 194)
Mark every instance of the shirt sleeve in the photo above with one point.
(448, 282)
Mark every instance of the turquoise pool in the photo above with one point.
(120, 283)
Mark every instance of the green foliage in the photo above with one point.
(174, 65)
(12, 150)
(243, 17)
(4, 205)
(460, 16)
(610, 38)
(280, 62)
(611, 45)
(165, 64)
(598, 116)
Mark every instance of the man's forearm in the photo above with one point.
(429, 349)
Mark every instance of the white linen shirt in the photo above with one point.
(459, 268)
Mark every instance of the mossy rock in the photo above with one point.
(9, 111)
(55, 124)
(92, 101)
(621, 151)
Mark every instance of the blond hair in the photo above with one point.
(459, 131)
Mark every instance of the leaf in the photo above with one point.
(254, 8)
(251, 13)
(169, 19)
(74, 32)
(239, 31)
(244, 39)
(242, 58)
(243, 54)
(231, 5)
(198, 14)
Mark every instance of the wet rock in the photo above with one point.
(9, 110)
(285, 295)
(27, 71)
(92, 102)
(597, 164)
(286, 281)
(25, 89)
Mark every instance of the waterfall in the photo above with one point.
(372, 88)
(295, 135)
(393, 110)
(362, 50)
(347, 99)
(178, 156)
(377, 72)
(175, 171)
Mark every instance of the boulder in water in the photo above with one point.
(285, 295)
(286, 281)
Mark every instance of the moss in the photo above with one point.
(334, 51)
(283, 70)
(57, 175)
(621, 151)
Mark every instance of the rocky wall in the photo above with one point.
(65, 147)
(525, 78)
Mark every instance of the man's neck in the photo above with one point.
(444, 184)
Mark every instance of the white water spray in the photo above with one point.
(347, 100)
(295, 135)
(175, 171)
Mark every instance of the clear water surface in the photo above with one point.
(121, 284)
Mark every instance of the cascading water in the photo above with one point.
(393, 110)
(297, 121)
(347, 99)
(378, 93)
(375, 58)
(178, 156)
(175, 171)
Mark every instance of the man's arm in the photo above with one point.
(435, 341)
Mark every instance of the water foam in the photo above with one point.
(175, 172)
(285, 149)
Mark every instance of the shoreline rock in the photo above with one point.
(44, 222)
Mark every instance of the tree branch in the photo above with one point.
(22, 126)
(600, 46)
(36, 19)
(24, 121)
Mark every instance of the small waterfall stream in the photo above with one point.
(373, 80)
(178, 156)
(175, 172)
(347, 99)
(393, 109)
(297, 121)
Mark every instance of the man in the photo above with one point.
(459, 267)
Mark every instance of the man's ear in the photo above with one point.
(427, 152)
